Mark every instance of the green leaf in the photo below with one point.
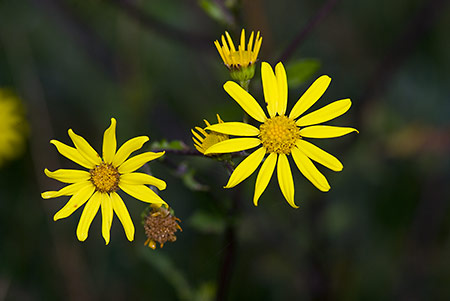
(190, 182)
(213, 10)
(159, 261)
(207, 223)
(300, 71)
(206, 292)
(164, 144)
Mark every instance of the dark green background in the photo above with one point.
(380, 233)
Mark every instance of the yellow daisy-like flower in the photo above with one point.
(240, 62)
(98, 186)
(203, 140)
(13, 126)
(281, 135)
(241, 57)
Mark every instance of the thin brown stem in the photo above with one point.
(166, 30)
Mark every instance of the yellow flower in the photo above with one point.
(240, 62)
(13, 126)
(98, 186)
(208, 139)
(241, 57)
(281, 135)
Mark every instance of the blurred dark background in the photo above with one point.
(381, 232)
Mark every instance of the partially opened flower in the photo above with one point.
(240, 61)
(204, 139)
(13, 127)
(280, 135)
(98, 186)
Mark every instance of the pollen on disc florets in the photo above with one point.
(279, 134)
(105, 178)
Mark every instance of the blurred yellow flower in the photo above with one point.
(203, 140)
(281, 135)
(13, 127)
(98, 187)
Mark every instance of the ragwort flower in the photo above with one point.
(98, 186)
(240, 62)
(281, 135)
(203, 139)
(13, 127)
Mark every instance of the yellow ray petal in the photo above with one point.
(246, 167)
(75, 202)
(310, 171)
(226, 52)
(234, 128)
(68, 190)
(264, 175)
(68, 175)
(72, 153)
(196, 135)
(314, 92)
(230, 42)
(257, 47)
(142, 193)
(325, 131)
(136, 178)
(250, 42)
(245, 100)
(233, 145)
(122, 213)
(242, 39)
(270, 88)
(89, 212)
(219, 49)
(281, 76)
(331, 111)
(201, 150)
(285, 180)
(109, 142)
(319, 155)
(107, 216)
(85, 148)
(137, 161)
(127, 148)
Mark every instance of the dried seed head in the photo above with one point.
(160, 227)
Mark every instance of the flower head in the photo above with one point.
(160, 226)
(13, 126)
(280, 135)
(240, 62)
(98, 186)
(203, 139)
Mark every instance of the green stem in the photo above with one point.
(244, 84)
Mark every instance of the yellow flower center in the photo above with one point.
(105, 178)
(241, 58)
(279, 134)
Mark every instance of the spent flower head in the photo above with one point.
(240, 61)
(98, 186)
(281, 135)
(160, 225)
